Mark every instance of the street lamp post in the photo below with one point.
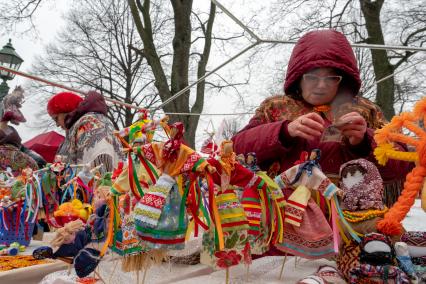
(8, 58)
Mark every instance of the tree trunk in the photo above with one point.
(180, 67)
(182, 10)
(385, 97)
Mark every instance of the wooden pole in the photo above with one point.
(282, 267)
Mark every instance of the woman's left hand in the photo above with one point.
(353, 127)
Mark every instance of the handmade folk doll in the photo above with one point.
(376, 258)
(251, 162)
(11, 154)
(127, 189)
(129, 184)
(142, 131)
(160, 215)
(306, 231)
(233, 219)
(362, 195)
(262, 199)
(362, 186)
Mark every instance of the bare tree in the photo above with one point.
(182, 56)
(94, 52)
(364, 21)
(13, 12)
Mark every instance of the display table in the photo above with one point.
(263, 270)
(32, 274)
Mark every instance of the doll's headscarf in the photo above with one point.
(227, 160)
(308, 166)
(172, 146)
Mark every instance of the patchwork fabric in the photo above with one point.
(367, 192)
(253, 209)
(149, 208)
(126, 240)
(171, 227)
(313, 239)
(377, 257)
(296, 205)
(234, 226)
(413, 238)
(379, 274)
(231, 213)
(348, 258)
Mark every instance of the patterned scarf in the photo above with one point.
(172, 146)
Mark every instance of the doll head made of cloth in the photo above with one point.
(362, 186)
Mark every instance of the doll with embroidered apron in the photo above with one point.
(160, 215)
(233, 219)
(128, 187)
(306, 231)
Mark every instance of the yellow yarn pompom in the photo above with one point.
(381, 153)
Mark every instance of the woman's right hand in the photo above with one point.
(309, 126)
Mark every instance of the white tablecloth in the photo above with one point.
(32, 274)
(263, 270)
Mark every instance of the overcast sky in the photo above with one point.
(48, 22)
(28, 45)
(266, 74)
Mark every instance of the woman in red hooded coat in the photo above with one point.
(321, 90)
(322, 78)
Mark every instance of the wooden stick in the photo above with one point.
(295, 262)
(100, 278)
(248, 270)
(137, 276)
(282, 267)
(227, 275)
(113, 271)
(144, 275)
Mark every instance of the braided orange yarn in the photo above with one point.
(391, 224)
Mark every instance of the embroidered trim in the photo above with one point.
(294, 211)
(145, 213)
(153, 200)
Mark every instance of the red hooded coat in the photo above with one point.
(267, 134)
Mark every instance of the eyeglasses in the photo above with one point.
(328, 80)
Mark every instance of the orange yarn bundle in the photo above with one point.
(392, 132)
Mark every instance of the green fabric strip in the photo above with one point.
(114, 191)
(136, 179)
(152, 231)
(148, 163)
(133, 131)
(194, 168)
(182, 208)
(251, 199)
(232, 220)
(235, 228)
(133, 250)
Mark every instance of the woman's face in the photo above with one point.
(319, 86)
(60, 120)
